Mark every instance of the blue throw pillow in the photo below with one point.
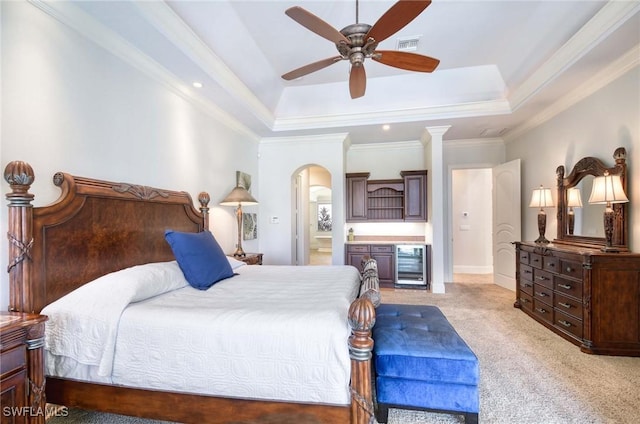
(200, 257)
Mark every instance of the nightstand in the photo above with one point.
(22, 368)
(251, 258)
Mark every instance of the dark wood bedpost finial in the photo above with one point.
(204, 199)
(362, 317)
(20, 176)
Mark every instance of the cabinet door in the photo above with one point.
(13, 397)
(386, 270)
(415, 195)
(357, 197)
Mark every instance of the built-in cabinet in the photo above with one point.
(587, 296)
(387, 200)
(382, 253)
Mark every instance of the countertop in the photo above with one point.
(387, 240)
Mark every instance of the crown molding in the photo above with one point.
(307, 139)
(474, 142)
(386, 146)
(464, 110)
(71, 16)
(608, 19)
(613, 71)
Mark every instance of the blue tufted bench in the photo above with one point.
(422, 363)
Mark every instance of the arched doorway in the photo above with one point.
(313, 216)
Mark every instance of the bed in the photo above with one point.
(99, 231)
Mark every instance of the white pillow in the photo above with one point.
(234, 262)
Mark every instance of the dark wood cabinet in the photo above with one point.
(415, 195)
(589, 297)
(386, 200)
(22, 368)
(357, 196)
(382, 253)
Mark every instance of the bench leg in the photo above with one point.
(471, 418)
(382, 413)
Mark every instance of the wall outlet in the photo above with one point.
(274, 220)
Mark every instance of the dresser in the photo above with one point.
(22, 368)
(587, 296)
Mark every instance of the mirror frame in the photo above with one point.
(593, 166)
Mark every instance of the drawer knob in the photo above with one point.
(542, 311)
(541, 294)
(569, 269)
(566, 305)
(523, 300)
(564, 286)
(542, 277)
(552, 264)
(565, 323)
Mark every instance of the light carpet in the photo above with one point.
(528, 375)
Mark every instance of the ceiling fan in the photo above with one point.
(357, 42)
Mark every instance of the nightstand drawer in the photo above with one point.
(381, 249)
(358, 248)
(13, 359)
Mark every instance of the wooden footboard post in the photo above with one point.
(362, 317)
(20, 176)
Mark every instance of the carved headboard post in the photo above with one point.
(204, 199)
(20, 176)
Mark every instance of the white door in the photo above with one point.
(506, 222)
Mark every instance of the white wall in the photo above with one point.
(280, 160)
(472, 221)
(68, 105)
(595, 126)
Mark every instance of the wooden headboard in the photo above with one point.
(95, 227)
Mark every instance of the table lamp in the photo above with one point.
(541, 198)
(239, 197)
(607, 190)
(574, 200)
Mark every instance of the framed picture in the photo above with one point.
(249, 226)
(243, 180)
(324, 217)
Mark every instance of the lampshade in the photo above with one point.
(239, 196)
(607, 189)
(574, 199)
(541, 198)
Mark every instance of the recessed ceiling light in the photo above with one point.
(386, 127)
(197, 84)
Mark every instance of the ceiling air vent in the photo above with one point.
(408, 44)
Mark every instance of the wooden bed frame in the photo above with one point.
(97, 227)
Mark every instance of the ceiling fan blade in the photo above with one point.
(398, 15)
(312, 67)
(357, 81)
(406, 60)
(315, 24)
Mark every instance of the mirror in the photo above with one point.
(581, 223)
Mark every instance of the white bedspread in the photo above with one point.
(83, 324)
(271, 332)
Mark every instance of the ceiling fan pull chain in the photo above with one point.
(357, 20)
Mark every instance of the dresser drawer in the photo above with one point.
(568, 287)
(381, 248)
(551, 264)
(526, 287)
(569, 324)
(535, 260)
(13, 359)
(571, 269)
(543, 278)
(543, 294)
(568, 305)
(526, 301)
(358, 248)
(526, 273)
(524, 257)
(543, 311)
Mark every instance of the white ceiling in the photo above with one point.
(504, 63)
